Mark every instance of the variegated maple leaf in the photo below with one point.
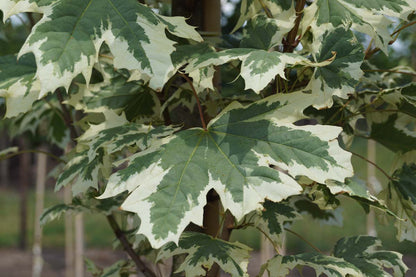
(231, 257)
(18, 84)
(168, 184)
(67, 39)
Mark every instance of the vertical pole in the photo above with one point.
(4, 164)
(24, 179)
(79, 245)
(41, 171)
(69, 236)
(371, 178)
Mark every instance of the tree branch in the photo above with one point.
(110, 218)
(291, 42)
(369, 53)
(32, 151)
(374, 164)
(391, 71)
(201, 114)
(127, 247)
(305, 240)
(67, 116)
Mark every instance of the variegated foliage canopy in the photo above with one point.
(165, 116)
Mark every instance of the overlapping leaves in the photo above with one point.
(18, 84)
(400, 197)
(362, 252)
(271, 219)
(282, 11)
(322, 264)
(369, 17)
(258, 67)
(393, 109)
(339, 77)
(86, 166)
(67, 39)
(231, 257)
(233, 156)
(353, 256)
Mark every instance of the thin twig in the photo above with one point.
(32, 151)
(67, 116)
(389, 70)
(374, 164)
(369, 53)
(403, 27)
(201, 114)
(291, 42)
(266, 10)
(305, 240)
(110, 218)
(127, 247)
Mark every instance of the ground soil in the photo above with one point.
(16, 263)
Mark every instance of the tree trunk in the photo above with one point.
(4, 164)
(41, 171)
(24, 179)
(69, 236)
(79, 245)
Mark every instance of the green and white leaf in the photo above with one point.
(67, 39)
(8, 151)
(168, 185)
(322, 264)
(83, 173)
(400, 197)
(118, 269)
(258, 67)
(18, 84)
(182, 96)
(271, 218)
(264, 33)
(340, 77)
(55, 212)
(282, 11)
(231, 257)
(86, 167)
(362, 252)
(357, 189)
(132, 134)
(12, 7)
(401, 124)
(44, 119)
(368, 17)
(115, 93)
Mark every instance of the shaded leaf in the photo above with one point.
(203, 251)
(322, 264)
(362, 252)
(400, 197)
(271, 218)
(18, 84)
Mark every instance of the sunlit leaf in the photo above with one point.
(233, 156)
